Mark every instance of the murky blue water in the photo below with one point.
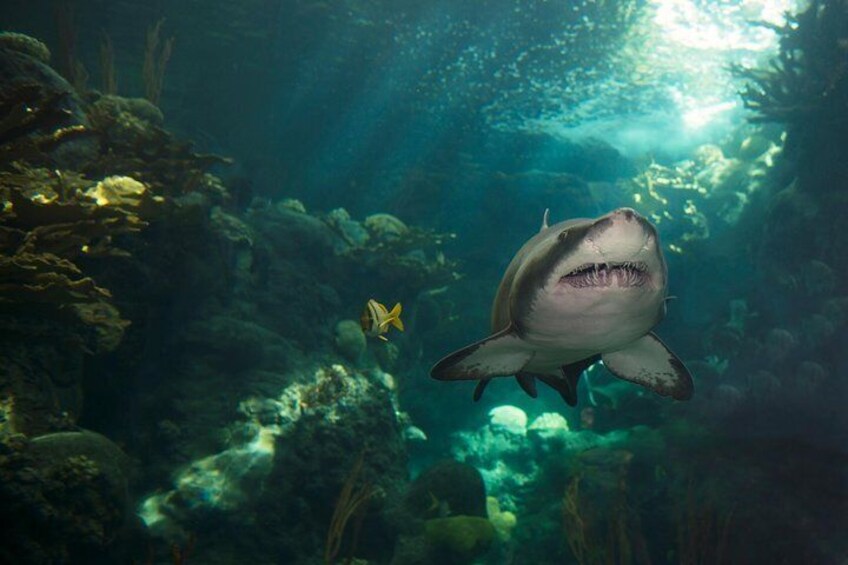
(238, 238)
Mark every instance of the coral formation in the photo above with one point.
(25, 44)
(350, 340)
(510, 419)
(64, 497)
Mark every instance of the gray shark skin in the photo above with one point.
(577, 292)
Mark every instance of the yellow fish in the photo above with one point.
(376, 319)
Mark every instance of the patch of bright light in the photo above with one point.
(699, 117)
(720, 25)
(697, 41)
(675, 65)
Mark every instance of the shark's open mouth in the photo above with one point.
(624, 274)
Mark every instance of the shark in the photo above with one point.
(578, 292)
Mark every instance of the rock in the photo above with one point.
(350, 230)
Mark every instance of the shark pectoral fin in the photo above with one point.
(648, 362)
(481, 386)
(499, 355)
(527, 382)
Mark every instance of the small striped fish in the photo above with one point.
(376, 319)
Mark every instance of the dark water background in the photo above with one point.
(465, 120)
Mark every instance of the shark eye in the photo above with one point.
(563, 235)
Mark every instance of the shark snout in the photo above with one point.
(622, 218)
(619, 218)
(624, 215)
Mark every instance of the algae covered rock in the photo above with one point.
(461, 536)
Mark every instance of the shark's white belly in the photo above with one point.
(562, 332)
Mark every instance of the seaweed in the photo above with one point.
(806, 88)
(156, 59)
(351, 504)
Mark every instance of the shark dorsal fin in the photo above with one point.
(545, 219)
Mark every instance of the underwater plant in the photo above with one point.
(156, 57)
(69, 64)
(351, 504)
(108, 73)
(598, 522)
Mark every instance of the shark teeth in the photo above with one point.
(637, 266)
(625, 273)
